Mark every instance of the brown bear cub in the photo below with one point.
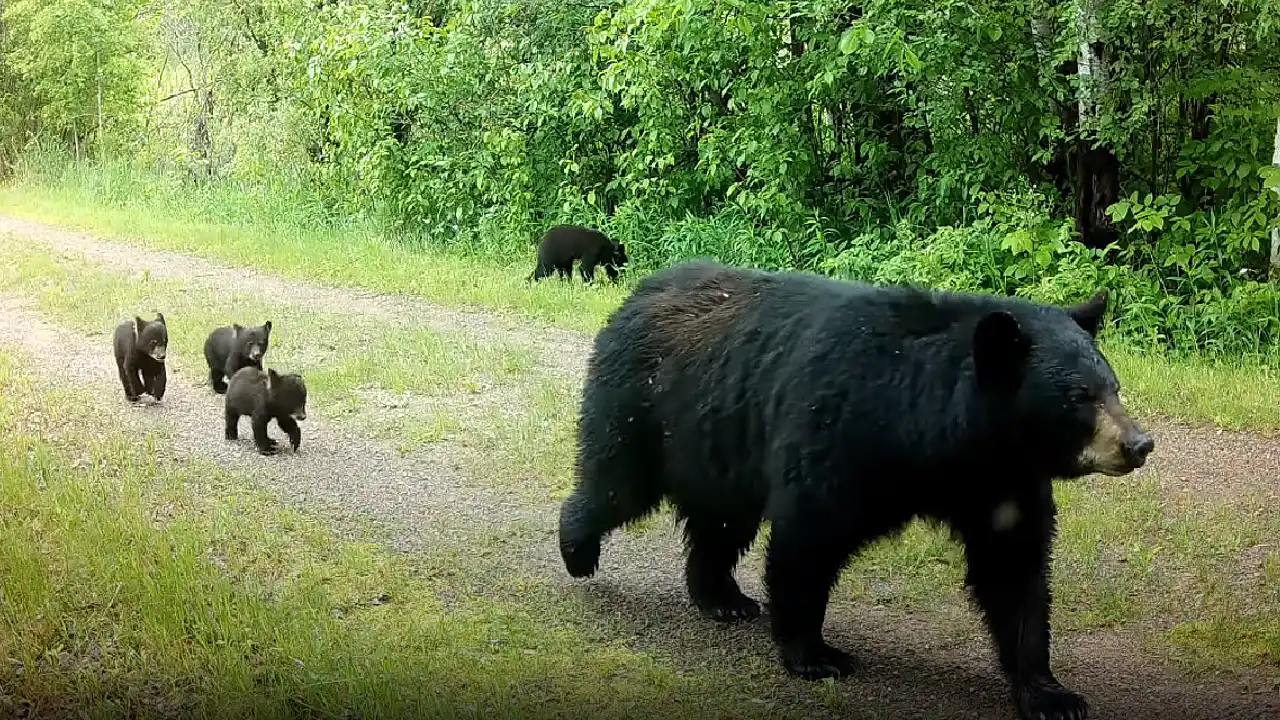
(227, 349)
(264, 396)
(563, 244)
(140, 349)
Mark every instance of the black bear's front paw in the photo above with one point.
(1048, 700)
(818, 661)
(728, 607)
(132, 398)
(271, 449)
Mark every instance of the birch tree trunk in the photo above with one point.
(1097, 170)
(1275, 231)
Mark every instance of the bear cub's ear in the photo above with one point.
(999, 350)
(1088, 314)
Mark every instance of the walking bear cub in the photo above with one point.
(140, 348)
(227, 349)
(563, 244)
(840, 411)
(264, 396)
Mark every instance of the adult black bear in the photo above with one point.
(264, 396)
(227, 349)
(140, 348)
(563, 244)
(840, 411)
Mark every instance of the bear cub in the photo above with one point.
(140, 350)
(563, 244)
(839, 411)
(265, 396)
(227, 349)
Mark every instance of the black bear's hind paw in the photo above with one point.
(819, 662)
(1050, 701)
(731, 608)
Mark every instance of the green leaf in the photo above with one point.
(1119, 211)
(849, 40)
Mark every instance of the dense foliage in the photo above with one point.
(954, 144)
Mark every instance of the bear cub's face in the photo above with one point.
(1065, 396)
(288, 393)
(251, 342)
(151, 338)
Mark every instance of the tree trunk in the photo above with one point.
(1275, 231)
(1097, 168)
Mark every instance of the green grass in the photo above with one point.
(1230, 394)
(169, 588)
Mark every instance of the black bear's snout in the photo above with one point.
(1137, 447)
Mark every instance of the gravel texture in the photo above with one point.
(915, 666)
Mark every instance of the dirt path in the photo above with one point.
(934, 666)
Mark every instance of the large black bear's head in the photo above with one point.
(1056, 395)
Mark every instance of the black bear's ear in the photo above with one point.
(1088, 314)
(267, 326)
(999, 350)
(160, 318)
(138, 325)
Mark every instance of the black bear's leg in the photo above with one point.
(130, 391)
(215, 380)
(139, 382)
(586, 517)
(233, 425)
(807, 549)
(1008, 574)
(265, 444)
(290, 427)
(716, 544)
(157, 383)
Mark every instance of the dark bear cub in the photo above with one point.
(563, 244)
(265, 396)
(227, 349)
(840, 411)
(140, 349)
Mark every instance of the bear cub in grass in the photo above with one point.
(140, 349)
(227, 349)
(265, 396)
(840, 411)
(563, 244)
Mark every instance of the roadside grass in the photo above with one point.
(1233, 394)
(138, 587)
(271, 231)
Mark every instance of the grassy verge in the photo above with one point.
(133, 586)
